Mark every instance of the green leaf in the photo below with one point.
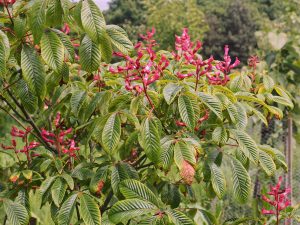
(37, 18)
(120, 172)
(170, 92)
(4, 52)
(212, 103)
(65, 40)
(186, 111)
(106, 48)
(58, 191)
(112, 132)
(170, 195)
(183, 151)
(54, 13)
(28, 99)
(23, 199)
(167, 154)
(77, 100)
(130, 208)
(219, 135)
(89, 210)
(33, 71)
(283, 101)
(46, 185)
(66, 210)
(69, 180)
(241, 181)
(260, 116)
(268, 83)
(247, 144)
(151, 139)
(119, 39)
(16, 213)
(135, 189)
(92, 20)
(179, 218)
(217, 180)
(20, 25)
(52, 50)
(90, 55)
(267, 163)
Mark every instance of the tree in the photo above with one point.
(123, 143)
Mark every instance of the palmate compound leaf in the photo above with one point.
(218, 180)
(89, 210)
(111, 132)
(135, 189)
(241, 181)
(33, 71)
(16, 213)
(130, 208)
(247, 144)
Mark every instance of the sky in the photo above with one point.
(103, 4)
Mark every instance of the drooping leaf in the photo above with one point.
(77, 99)
(135, 189)
(37, 18)
(92, 20)
(247, 144)
(111, 132)
(16, 213)
(52, 50)
(90, 54)
(106, 48)
(170, 92)
(58, 191)
(217, 180)
(151, 139)
(179, 218)
(130, 208)
(28, 99)
(241, 181)
(186, 111)
(212, 103)
(33, 71)
(66, 42)
(219, 135)
(267, 163)
(66, 210)
(89, 210)
(119, 38)
(183, 151)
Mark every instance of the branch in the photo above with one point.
(106, 202)
(31, 122)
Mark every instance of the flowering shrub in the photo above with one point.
(129, 142)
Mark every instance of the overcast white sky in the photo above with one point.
(103, 4)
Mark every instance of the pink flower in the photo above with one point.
(280, 200)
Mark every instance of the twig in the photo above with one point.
(106, 202)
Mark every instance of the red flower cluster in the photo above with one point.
(7, 2)
(187, 54)
(280, 201)
(137, 72)
(59, 138)
(23, 134)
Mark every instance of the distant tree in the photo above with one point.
(129, 14)
(230, 22)
(170, 17)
